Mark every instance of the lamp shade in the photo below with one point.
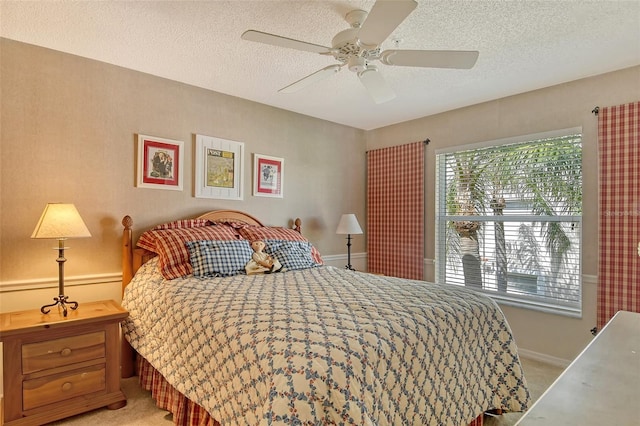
(60, 221)
(349, 225)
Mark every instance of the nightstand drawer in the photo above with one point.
(64, 351)
(50, 389)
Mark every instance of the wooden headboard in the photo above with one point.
(230, 216)
(133, 258)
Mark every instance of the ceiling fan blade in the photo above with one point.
(276, 40)
(463, 59)
(310, 79)
(376, 85)
(382, 20)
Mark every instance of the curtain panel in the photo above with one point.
(619, 216)
(395, 211)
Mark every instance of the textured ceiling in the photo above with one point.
(523, 45)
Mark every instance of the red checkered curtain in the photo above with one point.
(395, 211)
(619, 263)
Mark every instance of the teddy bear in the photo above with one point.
(261, 262)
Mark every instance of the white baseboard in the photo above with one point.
(358, 260)
(537, 356)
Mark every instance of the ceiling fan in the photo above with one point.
(359, 46)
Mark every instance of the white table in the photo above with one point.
(601, 386)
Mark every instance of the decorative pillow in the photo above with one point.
(253, 233)
(291, 254)
(172, 252)
(218, 258)
(184, 223)
(263, 233)
(149, 239)
(236, 224)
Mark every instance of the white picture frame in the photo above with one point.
(219, 168)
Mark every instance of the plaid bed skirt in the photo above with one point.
(186, 412)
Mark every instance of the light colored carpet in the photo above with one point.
(539, 377)
(142, 411)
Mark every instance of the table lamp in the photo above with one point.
(60, 221)
(349, 225)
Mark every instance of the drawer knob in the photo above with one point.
(65, 352)
(66, 386)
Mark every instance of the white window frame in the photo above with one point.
(522, 301)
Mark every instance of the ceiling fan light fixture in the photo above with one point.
(367, 68)
(376, 85)
(358, 64)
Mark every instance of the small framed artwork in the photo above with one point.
(159, 163)
(268, 176)
(219, 168)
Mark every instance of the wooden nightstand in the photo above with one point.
(56, 367)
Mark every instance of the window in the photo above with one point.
(508, 220)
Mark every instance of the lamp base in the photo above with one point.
(349, 267)
(62, 300)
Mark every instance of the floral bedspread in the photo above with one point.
(326, 346)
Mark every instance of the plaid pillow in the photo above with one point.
(263, 233)
(253, 233)
(148, 239)
(219, 258)
(172, 252)
(291, 254)
(184, 223)
(235, 224)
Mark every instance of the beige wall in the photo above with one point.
(559, 107)
(68, 135)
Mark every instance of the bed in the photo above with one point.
(311, 345)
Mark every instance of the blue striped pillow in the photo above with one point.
(291, 254)
(213, 258)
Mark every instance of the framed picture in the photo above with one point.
(268, 176)
(219, 168)
(159, 163)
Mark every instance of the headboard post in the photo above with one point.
(127, 356)
(297, 225)
(127, 251)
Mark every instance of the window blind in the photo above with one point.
(508, 220)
